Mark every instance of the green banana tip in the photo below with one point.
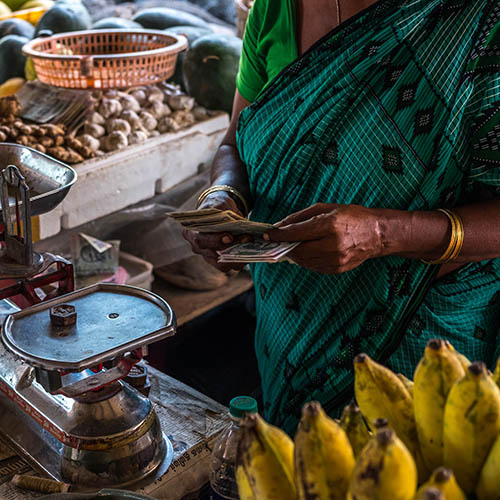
(435, 344)
(380, 423)
(385, 436)
(361, 358)
(477, 368)
(432, 493)
(311, 409)
(442, 474)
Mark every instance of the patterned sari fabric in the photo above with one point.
(397, 108)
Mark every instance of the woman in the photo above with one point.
(377, 148)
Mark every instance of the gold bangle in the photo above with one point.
(227, 189)
(460, 237)
(456, 240)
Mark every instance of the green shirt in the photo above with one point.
(269, 44)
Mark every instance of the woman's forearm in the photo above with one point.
(426, 235)
(228, 169)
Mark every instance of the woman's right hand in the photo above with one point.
(207, 244)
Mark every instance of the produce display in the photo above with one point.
(119, 118)
(434, 438)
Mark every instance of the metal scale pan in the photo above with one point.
(49, 180)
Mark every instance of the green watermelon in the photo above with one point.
(63, 17)
(160, 18)
(12, 60)
(192, 33)
(16, 26)
(115, 23)
(209, 70)
(14, 4)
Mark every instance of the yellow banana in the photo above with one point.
(384, 470)
(324, 459)
(406, 382)
(244, 489)
(430, 493)
(435, 375)
(488, 486)
(355, 427)
(444, 480)
(471, 424)
(265, 461)
(464, 361)
(380, 394)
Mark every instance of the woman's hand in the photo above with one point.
(335, 238)
(207, 244)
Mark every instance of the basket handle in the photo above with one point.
(86, 66)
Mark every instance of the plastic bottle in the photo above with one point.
(223, 465)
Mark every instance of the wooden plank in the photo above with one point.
(188, 304)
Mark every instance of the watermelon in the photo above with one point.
(160, 18)
(115, 23)
(192, 33)
(65, 16)
(16, 26)
(13, 4)
(209, 70)
(12, 59)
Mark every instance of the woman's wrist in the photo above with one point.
(413, 234)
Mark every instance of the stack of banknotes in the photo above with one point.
(212, 220)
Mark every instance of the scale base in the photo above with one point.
(44, 452)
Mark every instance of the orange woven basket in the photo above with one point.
(102, 59)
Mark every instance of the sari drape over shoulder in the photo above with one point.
(399, 107)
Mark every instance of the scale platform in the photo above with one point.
(64, 406)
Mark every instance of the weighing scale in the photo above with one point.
(63, 403)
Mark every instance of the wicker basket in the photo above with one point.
(105, 59)
(241, 16)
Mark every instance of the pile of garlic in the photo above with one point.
(121, 118)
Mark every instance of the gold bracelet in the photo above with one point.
(460, 237)
(227, 189)
(456, 240)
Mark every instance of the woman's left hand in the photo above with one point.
(335, 238)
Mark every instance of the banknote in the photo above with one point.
(211, 220)
(256, 251)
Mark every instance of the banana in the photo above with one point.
(488, 486)
(354, 425)
(444, 480)
(406, 382)
(430, 493)
(324, 459)
(265, 462)
(435, 375)
(381, 394)
(471, 424)
(464, 361)
(244, 489)
(384, 470)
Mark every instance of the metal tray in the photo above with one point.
(49, 180)
(111, 320)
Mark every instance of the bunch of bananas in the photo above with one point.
(440, 431)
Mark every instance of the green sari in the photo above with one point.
(397, 108)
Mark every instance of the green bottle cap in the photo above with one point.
(241, 405)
